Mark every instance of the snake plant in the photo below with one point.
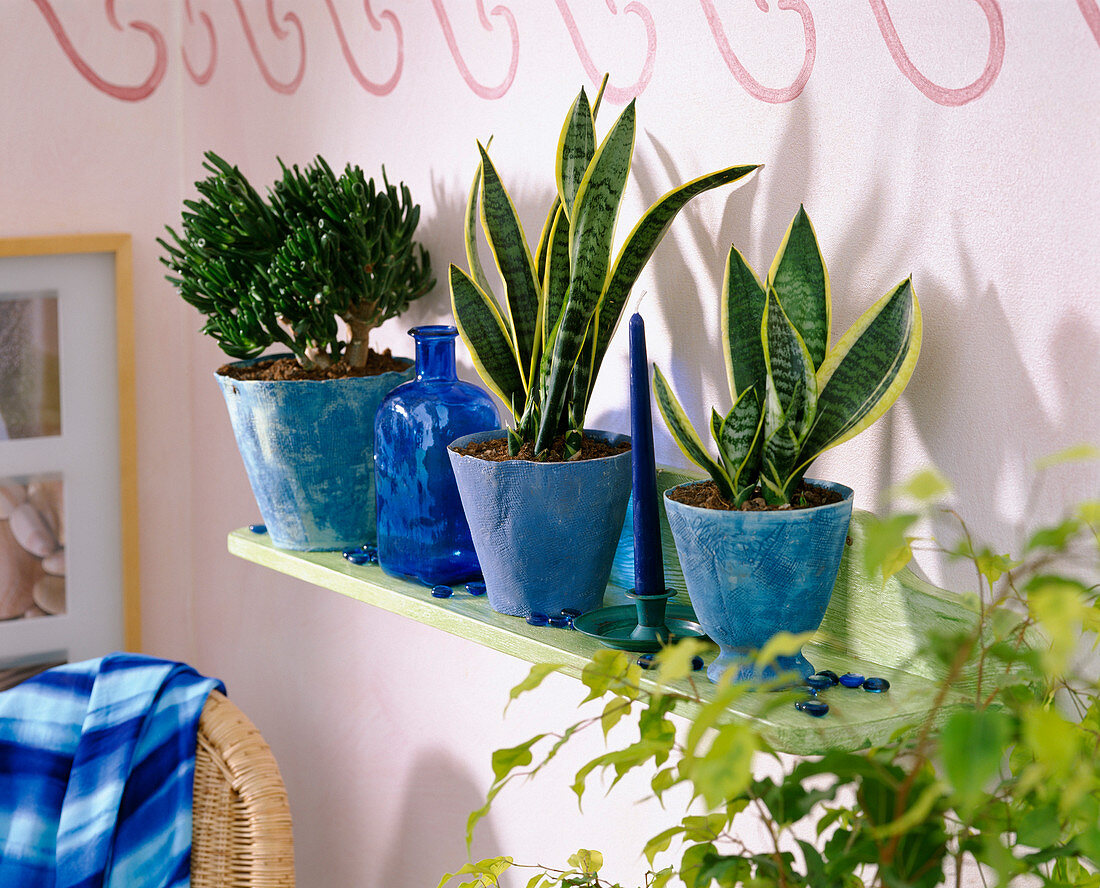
(541, 348)
(794, 396)
(284, 268)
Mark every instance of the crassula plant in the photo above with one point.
(540, 349)
(794, 395)
(285, 269)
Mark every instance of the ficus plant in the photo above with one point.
(794, 395)
(285, 268)
(997, 782)
(540, 348)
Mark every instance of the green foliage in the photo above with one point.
(283, 269)
(794, 397)
(541, 348)
(1008, 780)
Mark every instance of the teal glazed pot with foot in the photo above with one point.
(751, 575)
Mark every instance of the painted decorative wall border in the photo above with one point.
(501, 22)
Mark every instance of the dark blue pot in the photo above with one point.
(308, 450)
(753, 574)
(422, 530)
(545, 533)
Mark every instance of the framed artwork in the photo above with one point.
(68, 485)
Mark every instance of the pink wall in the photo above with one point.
(956, 144)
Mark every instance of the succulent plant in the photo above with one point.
(794, 396)
(541, 352)
(285, 268)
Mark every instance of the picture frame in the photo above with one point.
(69, 570)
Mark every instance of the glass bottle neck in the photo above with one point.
(435, 353)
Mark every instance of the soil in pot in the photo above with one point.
(289, 368)
(706, 496)
(496, 450)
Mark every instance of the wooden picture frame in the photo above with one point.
(68, 460)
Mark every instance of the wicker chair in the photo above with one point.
(241, 835)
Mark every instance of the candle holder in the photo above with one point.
(647, 625)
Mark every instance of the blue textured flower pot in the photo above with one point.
(308, 450)
(753, 574)
(545, 533)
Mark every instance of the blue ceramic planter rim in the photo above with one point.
(493, 434)
(338, 379)
(765, 515)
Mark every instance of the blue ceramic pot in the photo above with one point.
(545, 533)
(422, 530)
(753, 574)
(308, 450)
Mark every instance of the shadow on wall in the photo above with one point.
(431, 830)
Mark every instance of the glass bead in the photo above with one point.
(571, 612)
(851, 679)
(258, 528)
(476, 588)
(561, 621)
(696, 662)
(816, 708)
(876, 685)
(356, 556)
(537, 619)
(646, 661)
(820, 682)
(441, 591)
(828, 673)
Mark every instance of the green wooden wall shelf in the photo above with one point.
(870, 627)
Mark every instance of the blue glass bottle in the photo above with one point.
(422, 530)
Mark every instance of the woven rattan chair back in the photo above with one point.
(241, 837)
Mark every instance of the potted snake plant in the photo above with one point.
(545, 517)
(759, 544)
(320, 253)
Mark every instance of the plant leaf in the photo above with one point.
(639, 246)
(513, 257)
(576, 146)
(684, 434)
(799, 276)
(483, 330)
(972, 744)
(743, 302)
(473, 257)
(740, 437)
(866, 371)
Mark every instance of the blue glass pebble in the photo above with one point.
(561, 621)
(876, 685)
(828, 673)
(819, 682)
(816, 708)
(696, 662)
(442, 591)
(537, 619)
(571, 612)
(646, 661)
(356, 556)
(851, 679)
(371, 552)
(258, 528)
(476, 588)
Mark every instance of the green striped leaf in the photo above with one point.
(740, 437)
(592, 230)
(555, 282)
(684, 434)
(743, 301)
(482, 328)
(541, 253)
(576, 146)
(867, 370)
(792, 387)
(780, 452)
(473, 257)
(640, 244)
(513, 258)
(799, 276)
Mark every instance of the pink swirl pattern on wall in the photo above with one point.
(118, 91)
(940, 94)
(613, 93)
(751, 85)
(480, 89)
(387, 86)
(281, 33)
(1091, 12)
(201, 77)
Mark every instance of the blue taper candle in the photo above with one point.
(649, 571)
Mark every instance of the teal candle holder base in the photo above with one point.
(647, 625)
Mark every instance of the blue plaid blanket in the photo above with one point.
(97, 763)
